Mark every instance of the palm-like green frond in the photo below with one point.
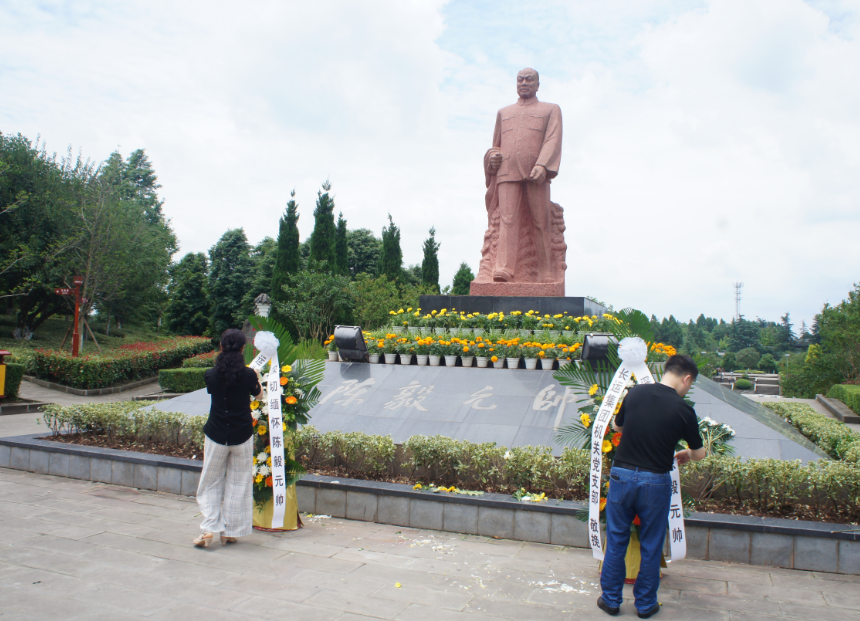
(574, 435)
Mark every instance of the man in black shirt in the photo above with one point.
(652, 419)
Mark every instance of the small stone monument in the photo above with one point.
(524, 250)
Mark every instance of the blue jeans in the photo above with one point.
(647, 495)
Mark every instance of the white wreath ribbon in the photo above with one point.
(632, 351)
(268, 343)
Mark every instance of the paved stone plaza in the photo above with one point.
(79, 550)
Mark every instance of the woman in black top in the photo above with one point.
(225, 489)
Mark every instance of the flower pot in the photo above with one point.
(554, 334)
(426, 330)
(467, 360)
(397, 329)
(421, 359)
(546, 363)
(482, 362)
(531, 364)
(525, 333)
(499, 364)
(513, 363)
(332, 356)
(655, 367)
(434, 360)
(373, 358)
(450, 361)
(390, 358)
(414, 330)
(477, 331)
(405, 358)
(563, 362)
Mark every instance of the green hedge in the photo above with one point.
(181, 380)
(202, 361)
(835, 438)
(125, 419)
(849, 394)
(767, 485)
(743, 384)
(129, 362)
(14, 375)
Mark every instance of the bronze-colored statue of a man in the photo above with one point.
(524, 249)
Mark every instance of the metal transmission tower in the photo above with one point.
(738, 287)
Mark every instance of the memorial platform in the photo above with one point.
(511, 407)
(486, 304)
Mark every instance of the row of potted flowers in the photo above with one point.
(515, 320)
(482, 362)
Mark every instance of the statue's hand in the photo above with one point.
(538, 175)
(495, 161)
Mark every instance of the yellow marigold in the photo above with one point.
(466, 348)
(495, 358)
(261, 430)
(286, 368)
(593, 390)
(259, 478)
(602, 504)
(541, 354)
(255, 404)
(607, 446)
(481, 345)
(269, 462)
(417, 486)
(586, 420)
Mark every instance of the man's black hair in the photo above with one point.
(682, 366)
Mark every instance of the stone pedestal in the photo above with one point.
(486, 304)
(517, 289)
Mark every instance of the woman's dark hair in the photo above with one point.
(230, 361)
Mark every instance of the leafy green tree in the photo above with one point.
(263, 258)
(364, 250)
(430, 264)
(742, 334)
(342, 246)
(188, 308)
(411, 276)
(374, 297)
(288, 259)
(230, 273)
(391, 257)
(672, 332)
(767, 363)
(655, 329)
(313, 302)
(323, 240)
(729, 361)
(748, 358)
(462, 280)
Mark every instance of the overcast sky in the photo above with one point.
(704, 142)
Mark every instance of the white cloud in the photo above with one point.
(704, 143)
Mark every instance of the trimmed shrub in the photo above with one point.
(181, 380)
(14, 375)
(849, 394)
(743, 384)
(125, 419)
(202, 361)
(129, 362)
(834, 438)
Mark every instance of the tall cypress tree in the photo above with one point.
(188, 308)
(342, 247)
(430, 264)
(391, 258)
(288, 258)
(230, 273)
(323, 239)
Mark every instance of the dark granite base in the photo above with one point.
(486, 304)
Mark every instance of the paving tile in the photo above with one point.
(413, 594)
(190, 612)
(273, 608)
(799, 611)
(840, 600)
(692, 599)
(357, 603)
(776, 594)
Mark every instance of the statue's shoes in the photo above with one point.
(502, 276)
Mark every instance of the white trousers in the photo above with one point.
(226, 485)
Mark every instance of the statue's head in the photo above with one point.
(528, 82)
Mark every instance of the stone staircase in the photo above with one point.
(763, 383)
